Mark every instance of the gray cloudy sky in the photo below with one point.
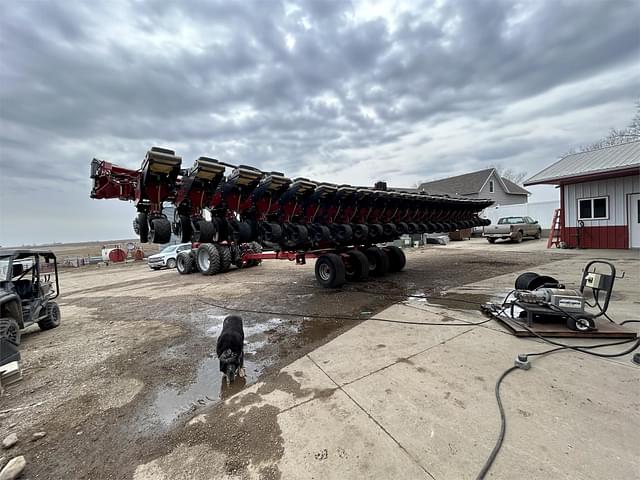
(333, 90)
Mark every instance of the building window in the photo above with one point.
(491, 189)
(593, 208)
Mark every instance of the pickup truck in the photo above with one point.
(513, 228)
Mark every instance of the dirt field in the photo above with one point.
(134, 359)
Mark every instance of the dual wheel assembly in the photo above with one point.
(214, 258)
(335, 269)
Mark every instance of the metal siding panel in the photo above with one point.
(571, 218)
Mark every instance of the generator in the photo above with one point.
(542, 298)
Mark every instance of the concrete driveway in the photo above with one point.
(386, 400)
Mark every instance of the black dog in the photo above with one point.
(230, 348)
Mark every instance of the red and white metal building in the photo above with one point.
(599, 196)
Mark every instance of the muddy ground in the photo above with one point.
(133, 362)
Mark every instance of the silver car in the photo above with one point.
(166, 258)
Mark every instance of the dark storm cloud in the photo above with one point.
(292, 86)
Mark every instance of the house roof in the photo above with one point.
(616, 158)
(469, 183)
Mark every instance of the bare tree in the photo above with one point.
(616, 136)
(509, 173)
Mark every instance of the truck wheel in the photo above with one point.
(491, 240)
(208, 259)
(378, 261)
(330, 271)
(517, 238)
(143, 227)
(159, 230)
(203, 231)
(53, 317)
(171, 264)
(225, 257)
(10, 330)
(397, 258)
(356, 266)
(538, 234)
(185, 263)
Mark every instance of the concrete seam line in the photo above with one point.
(304, 402)
(405, 358)
(415, 460)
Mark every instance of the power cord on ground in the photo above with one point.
(522, 362)
(340, 317)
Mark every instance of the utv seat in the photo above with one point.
(24, 289)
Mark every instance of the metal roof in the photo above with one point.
(469, 183)
(603, 160)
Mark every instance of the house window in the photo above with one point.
(593, 208)
(491, 186)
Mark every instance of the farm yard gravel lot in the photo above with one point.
(133, 362)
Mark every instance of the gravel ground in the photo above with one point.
(132, 363)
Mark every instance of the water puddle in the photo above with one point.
(208, 385)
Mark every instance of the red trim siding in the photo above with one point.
(616, 236)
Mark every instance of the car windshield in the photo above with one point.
(169, 249)
(510, 220)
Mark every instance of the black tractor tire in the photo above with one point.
(241, 232)
(225, 257)
(143, 227)
(184, 229)
(375, 232)
(160, 230)
(295, 235)
(517, 238)
(397, 258)
(52, 320)
(378, 261)
(319, 233)
(202, 231)
(270, 232)
(402, 228)
(330, 271)
(356, 266)
(10, 330)
(491, 240)
(185, 263)
(389, 230)
(414, 228)
(208, 259)
(360, 233)
(341, 233)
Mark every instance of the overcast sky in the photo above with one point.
(349, 92)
